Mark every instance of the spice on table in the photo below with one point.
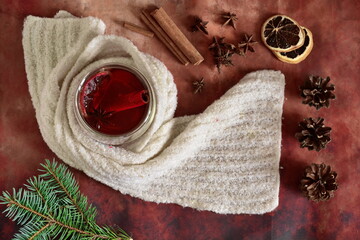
(247, 44)
(319, 182)
(170, 28)
(230, 19)
(199, 85)
(138, 29)
(215, 45)
(223, 52)
(317, 92)
(200, 25)
(228, 47)
(314, 134)
(163, 37)
(224, 59)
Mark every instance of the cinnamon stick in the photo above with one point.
(126, 101)
(151, 23)
(177, 36)
(138, 29)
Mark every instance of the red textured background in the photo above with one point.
(336, 28)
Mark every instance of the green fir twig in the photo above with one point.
(52, 207)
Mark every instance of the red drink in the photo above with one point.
(113, 101)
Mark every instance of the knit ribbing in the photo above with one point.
(225, 159)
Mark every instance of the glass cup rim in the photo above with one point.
(120, 138)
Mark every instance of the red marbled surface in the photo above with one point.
(336, 28)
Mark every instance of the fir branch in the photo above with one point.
(45, 191)
(52, 207)
(60, 177)
(33, 230)
(40, 231)
(50, 220)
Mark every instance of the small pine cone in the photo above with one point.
(316, 92)
(314, 134)
(319, 182)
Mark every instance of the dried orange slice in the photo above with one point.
(282, 34)
(298, 55)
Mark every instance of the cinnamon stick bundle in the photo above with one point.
(175, 34)
(151, 23)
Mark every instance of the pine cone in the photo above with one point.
(314, 134)
(319, 182)
(317, 92)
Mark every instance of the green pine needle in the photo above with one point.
(52, 207)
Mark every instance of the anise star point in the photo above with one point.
(230, 19)
(223, 52)
(199, 25)
(246, 44)
(198, 85)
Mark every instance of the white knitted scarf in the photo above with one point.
(225, 159)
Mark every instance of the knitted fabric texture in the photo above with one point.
(225, 159)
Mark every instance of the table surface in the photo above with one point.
(336, 28)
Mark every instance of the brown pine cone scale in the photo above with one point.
(319, 182)
(314, 134)
(316, 92)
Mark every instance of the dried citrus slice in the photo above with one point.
(298, 55)
(282, 34)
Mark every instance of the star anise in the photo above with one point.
(223, 52)
(239, 51)
(217, 49)
(231, 18)
(215, 45)
(199, 25)
(219, 46)
(247, 43)
(224, 59)
(199, 85)
(228, 47)
(100, 116)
